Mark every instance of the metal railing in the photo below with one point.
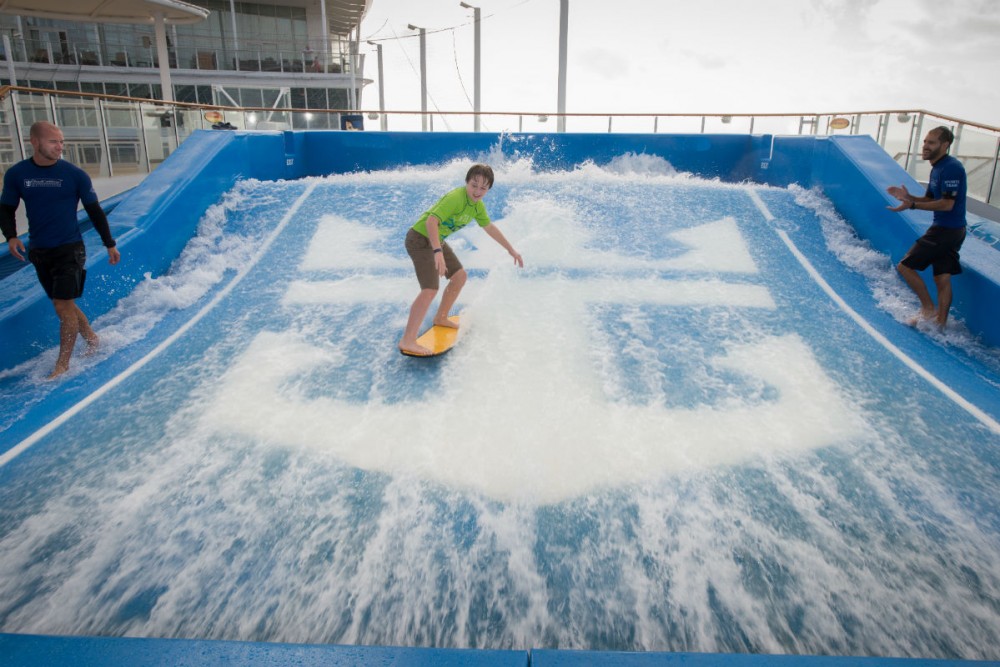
(210, 56)
(111, 136)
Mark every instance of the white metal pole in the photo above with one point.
(167, 94)
(563, 41)
(383, 121)
(236, 34)
(9, 53)
(476, 96)
(353, 58)
(423, 75)
(326, 35)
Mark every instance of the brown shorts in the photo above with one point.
(419, 248)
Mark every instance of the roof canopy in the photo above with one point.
(107, 11)
(344, 15)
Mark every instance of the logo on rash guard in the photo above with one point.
(43, 182)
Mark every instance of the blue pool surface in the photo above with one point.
(694, 425)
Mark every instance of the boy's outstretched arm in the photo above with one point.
(498, 236)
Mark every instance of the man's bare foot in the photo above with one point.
(445, 322)
(922, 316)
(414, 350)
(57, 371)
(93, 345)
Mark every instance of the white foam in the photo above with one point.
(721, 528)
(339, 243)
(888, 289)
(507, 424)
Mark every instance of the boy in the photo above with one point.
(433, 258)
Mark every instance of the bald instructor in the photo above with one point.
(51, 188)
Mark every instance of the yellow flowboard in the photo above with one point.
(437, 339)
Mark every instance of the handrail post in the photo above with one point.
(16, 126)
(909, 145)
(996, 173)
(563, 46)
(142, 137)
(105, 143)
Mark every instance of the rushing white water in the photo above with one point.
(658, 435)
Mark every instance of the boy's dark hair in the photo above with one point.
(945, 135)
(484, 170)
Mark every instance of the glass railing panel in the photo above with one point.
(678, 124)
(976, 148)
(10, 151)
(157, 133)
(775, 125)
(31, 107)
(899, 132)
(77, 117)
(125, 138)
(631, 124)
(727, 124)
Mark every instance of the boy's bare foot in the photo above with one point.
(445, 322)
(414, 350)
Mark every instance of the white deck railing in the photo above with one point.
(118, 136)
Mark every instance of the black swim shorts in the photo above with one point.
(61, 269)
(939, 247)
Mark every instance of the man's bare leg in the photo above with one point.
(943, 283)
(448, 299)
(417, 311)
(69, 327)
(89, 335)
(916, 283)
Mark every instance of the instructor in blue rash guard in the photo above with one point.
(939, 246)
(51, 188)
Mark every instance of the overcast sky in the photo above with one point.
(696, 56)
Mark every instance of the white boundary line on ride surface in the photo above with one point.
(954, 396)
(22, 446)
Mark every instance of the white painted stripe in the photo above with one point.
(22, 446)
(761, 206)
(954, 396)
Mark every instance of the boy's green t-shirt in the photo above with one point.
(455, 211)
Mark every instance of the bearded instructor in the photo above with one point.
(51, 188)
(946, 196)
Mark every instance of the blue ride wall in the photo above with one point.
(156, 219)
